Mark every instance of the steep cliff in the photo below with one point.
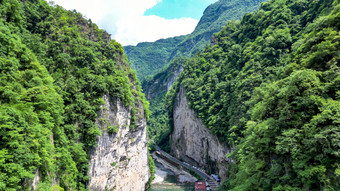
(192, 142)
(120, 160)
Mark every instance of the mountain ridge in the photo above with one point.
(146, 62)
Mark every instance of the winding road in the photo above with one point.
(213, 184)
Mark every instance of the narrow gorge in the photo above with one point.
(250, 100)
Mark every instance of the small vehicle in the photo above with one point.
(215, 177)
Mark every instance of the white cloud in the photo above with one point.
(124, 19)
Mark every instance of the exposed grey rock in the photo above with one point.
(172, 78)
(33, 184)
(192, 142)
(120, 160)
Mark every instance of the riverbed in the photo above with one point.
(170, 178)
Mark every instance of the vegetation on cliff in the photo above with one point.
(269, 87)
(55, 67)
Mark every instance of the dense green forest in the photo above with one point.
(149, 57)
(269, 87)
(55, 67)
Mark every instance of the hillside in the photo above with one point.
(214, 18)
(55, 68)
(268, 88)
(148, 58)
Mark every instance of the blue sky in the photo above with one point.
(132, 21)
(171, 9)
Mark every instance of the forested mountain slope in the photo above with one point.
(149, 57)
(214, 18)
(155, 86)
(55, 67)
(269, 86)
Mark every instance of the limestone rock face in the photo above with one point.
(120, 160)
(173, 77)
(192, 142)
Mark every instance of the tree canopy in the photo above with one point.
(269, 88)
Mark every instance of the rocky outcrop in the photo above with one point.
(33, 183)
(172, 78)
(162, 81)
(120, 160)
(192, 142)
